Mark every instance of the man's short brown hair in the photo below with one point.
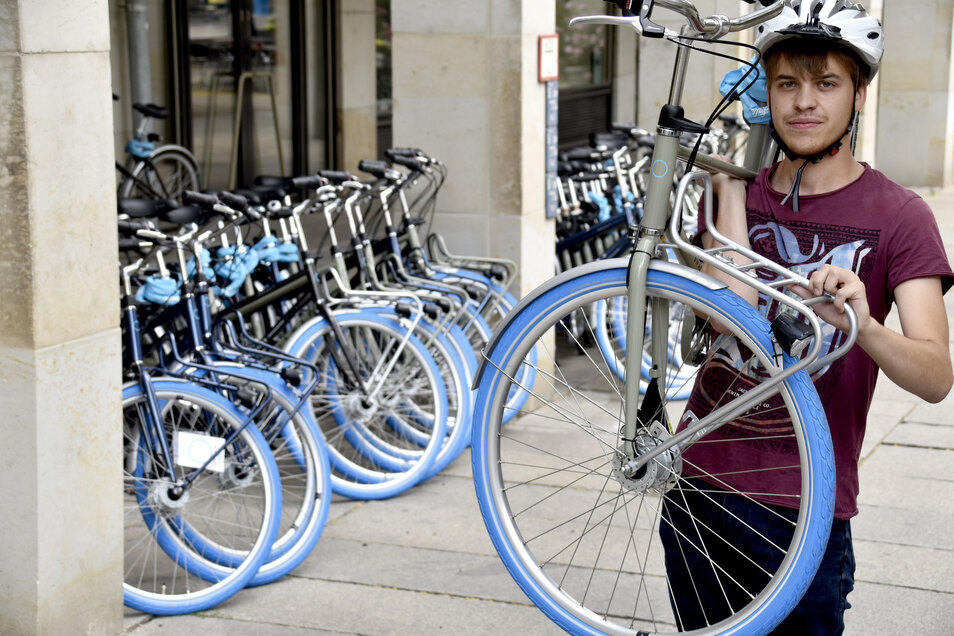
(810, 56)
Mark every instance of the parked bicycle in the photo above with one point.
(263, 375)
(154, 169)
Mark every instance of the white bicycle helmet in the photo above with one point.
(846, 22)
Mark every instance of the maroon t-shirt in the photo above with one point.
(884, 233)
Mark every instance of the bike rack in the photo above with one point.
(243, 79)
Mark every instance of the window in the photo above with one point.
(586, 90)
(584, 50)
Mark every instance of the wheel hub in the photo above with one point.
(659, 473)
(166, 497)
(360, 407)
(236, 475)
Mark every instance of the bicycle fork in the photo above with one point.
(650, 234)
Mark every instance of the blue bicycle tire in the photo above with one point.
(301, 456)
(506, 302)
(458, 365)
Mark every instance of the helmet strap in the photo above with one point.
(793, 191)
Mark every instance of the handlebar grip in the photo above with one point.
(199, 198)
(408, 162)
(391, 153)
(374, 168)
(310, 182)
(240, 204)
(235, 201)
(336, 176)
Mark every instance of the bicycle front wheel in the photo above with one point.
(583, 537)
(382, 437)
(233, 502)
(303, 469)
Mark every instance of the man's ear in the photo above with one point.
(861, 95)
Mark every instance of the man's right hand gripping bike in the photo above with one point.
(577, 491)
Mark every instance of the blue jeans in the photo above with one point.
(702, 595)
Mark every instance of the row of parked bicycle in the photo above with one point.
(262, 378)
(602, 186)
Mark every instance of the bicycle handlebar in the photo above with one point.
(715, 25)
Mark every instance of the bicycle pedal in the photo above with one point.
(792, 334)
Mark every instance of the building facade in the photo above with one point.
(290, 87)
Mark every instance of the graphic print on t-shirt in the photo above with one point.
(802, 247)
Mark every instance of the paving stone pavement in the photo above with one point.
(422, 563)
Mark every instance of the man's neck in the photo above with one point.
(831, 173)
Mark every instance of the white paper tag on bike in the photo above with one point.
(193, 450)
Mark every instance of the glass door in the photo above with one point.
(246, 83)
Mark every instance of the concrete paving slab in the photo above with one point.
(371, 609)
(941, 413)
(208, 625)
(908, 433)
(401, 567)
(909, 462)
(905, 566)
(924, 527)
(441, 515)
(886, 609)
(908, 479)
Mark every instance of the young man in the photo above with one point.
(857, 236)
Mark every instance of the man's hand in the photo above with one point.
(917, 359)
(845, 287)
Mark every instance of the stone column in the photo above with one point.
(61, 531)
(357, 96)
(915, 106)
(466, 91)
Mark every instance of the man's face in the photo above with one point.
(812, 111)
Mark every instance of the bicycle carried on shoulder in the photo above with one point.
(576, 492)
